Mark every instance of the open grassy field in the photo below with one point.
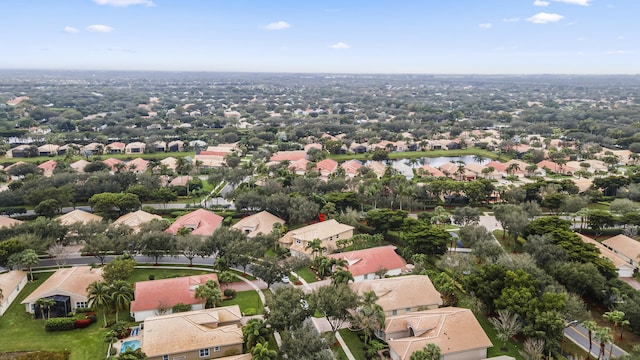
(162, 273)
(246, 300)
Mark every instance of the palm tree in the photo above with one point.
(209, 293)
(99, 298)
(341, 276)
(479, 158)
(45, 303)
(255, 332)
(507, 326)
(591, 326)
(369, 316)
(29, 258)
(440, 215)
(512, 168)
(262, 352)
(603, 336)
(121, 295)
(316, 247)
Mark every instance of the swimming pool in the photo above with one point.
(130, 345)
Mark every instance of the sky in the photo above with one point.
(328, 36)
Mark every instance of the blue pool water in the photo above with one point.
(130, 345)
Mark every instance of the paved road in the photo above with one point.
(580, 336)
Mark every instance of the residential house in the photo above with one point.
(288, 155)
(457, 172)
(363, 264)
(78, 217)
(48, 150)
(152, 298)
(624, 268)
(19, 151)
(92, 149)
(67, 287)
(313, 146)
(48, 167)
(64, 149)
(6, 221)
(113, 164)
(326, 167)
(195, 335)
(78, 166)
(136, 219)
(175, 146)
(201, 222)
(115, 148)
(160, 146)
(170, 162)
(428, 170)
(135, 148)
(378, 168)
(402, 294)
(358, 148)
(625, 247)
(351, 167)
(11, 283)
(260, 223)
(456, 331)
(137, 165)
(181, 180)
(328, 232)
(299, 167)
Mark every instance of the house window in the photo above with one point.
(165, 357)
(394, 312)
(366, 276)
(338, 236)
(216, 348)
(407, 309)
(81, 304)
(298, 241)
(204, 352)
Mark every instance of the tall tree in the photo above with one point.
(285, 310)
(121, 295)
(369, 316)
(335, 304)
(255, 332)
(28, 258)
(99, 297)
(507, 325)
(209, 293)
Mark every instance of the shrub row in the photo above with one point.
(59, 324)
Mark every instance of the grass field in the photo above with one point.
(353, 343)
(307, 275)
(246, 300)
(162, 273)
(20, 332)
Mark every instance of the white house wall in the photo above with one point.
(8, 298)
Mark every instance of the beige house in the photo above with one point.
(403, 294)
(136, 219)
(260, 223)
(68, 287)
(135, 148)
(194, 335)
(328, 232)
(11, 283)
(624, 268)
(6, 221)
(625, 247)
(78, 217)
(455, 330)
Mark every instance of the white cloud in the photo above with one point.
(340, 45)
(279, 25)
(575, 2)
(123, 3)
(544, 18)
(99, 28)
(541, 3)
(485, 26)
(70, 29)
(515, 19)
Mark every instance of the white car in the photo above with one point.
(285, 279)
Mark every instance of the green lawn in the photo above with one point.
(307, 274)
(246, 300)
(162, 273)
(21, 333)
(353, 343)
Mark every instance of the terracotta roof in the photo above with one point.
(260, 223)
(170, 162)
(78, 216)
(138, 165)
(624, 245)
(289, 155)
(191, 331)
(116, 145)
(313, 146)
(401, 292)
(6, 221)
(368, 261)
(351, 166)
(498, 166)
(112, 163)
(203, 222)
(431, 171)
(136, 219)
(79, 165)
(329, 165)
(73, 280)
(150, 295)
(299, 165)
(48, 166)
(453, 329)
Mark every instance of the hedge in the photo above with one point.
(82, 323)
(59, 324)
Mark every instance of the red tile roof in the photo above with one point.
(48, 165)
(289, 155)
(368, 261)
(203, 222)
(168, 292)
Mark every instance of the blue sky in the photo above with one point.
(347, 36)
